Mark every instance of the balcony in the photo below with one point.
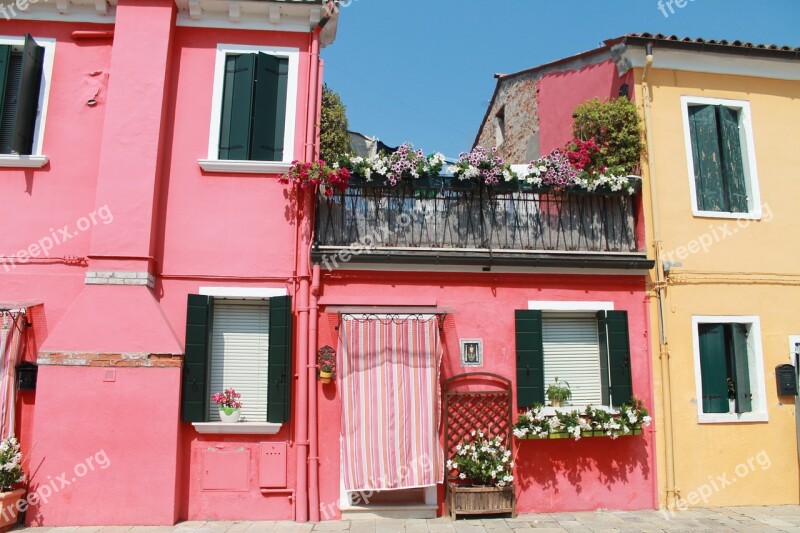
(481, 227)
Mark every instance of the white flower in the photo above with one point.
(646, 420)
(462, 476)
(473, 432)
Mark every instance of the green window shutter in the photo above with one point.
(280, 360)
(530, 358)
(269, 102)
(713, 368)
(28, 100)
(602, 336)
(194, 399)
(619, 357)
(741, 369)
(707, 162)
(732, 163)
(237, 107)
(5, 59)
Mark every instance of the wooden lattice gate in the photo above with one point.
(477, 401)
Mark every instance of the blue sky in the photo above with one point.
(422, 70)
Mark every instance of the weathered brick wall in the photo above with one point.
(516, 98)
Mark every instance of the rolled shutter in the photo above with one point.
(269, 108)
(707, 160)
(28, 99)
(194, 397)
(732, 163)
(741, 369)
(240, 355)
(530, 358)
(713, 368)
(619, 357)
(237, 107)
(280, 360)
(572, 354)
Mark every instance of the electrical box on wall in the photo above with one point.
(27, 374)
(272, 467)
(786, 378)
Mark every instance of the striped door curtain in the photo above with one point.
(388, 377)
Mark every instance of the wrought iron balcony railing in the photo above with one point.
(417, 225)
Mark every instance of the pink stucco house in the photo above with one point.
(138, 167)
(155, 259)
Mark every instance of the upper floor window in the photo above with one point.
(721, 158)
(25, 67)
(253, 109)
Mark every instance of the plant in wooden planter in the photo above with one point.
(483, 461)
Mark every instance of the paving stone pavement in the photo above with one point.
(756, 519)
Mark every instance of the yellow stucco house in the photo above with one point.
(722, 183)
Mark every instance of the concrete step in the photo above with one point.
(399, 510)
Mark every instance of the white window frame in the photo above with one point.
(213, 163)
(240, 428)
(755, 365)
(570, 307)
(37, 159)
(748, 156)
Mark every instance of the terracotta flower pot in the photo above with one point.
(8, 508)
(325, 377)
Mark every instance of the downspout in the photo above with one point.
(313, 459)
(303, 266)
(660, 286)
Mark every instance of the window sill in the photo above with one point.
(731, 418)
(549, 410)
(22, 161)
(237, 428)
(244, 167)
(731, 216)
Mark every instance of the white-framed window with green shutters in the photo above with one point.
(26, 66)
(239, 341)
(588, 348)
(253, 109)
(721, 157)
(729, 369)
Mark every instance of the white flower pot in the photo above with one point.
(731, 406)
(229, 419)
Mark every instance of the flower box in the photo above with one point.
(464, 500)
(360, 182)
(455, 184)
(504, 187)
(584, 434)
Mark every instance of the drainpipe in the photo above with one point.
(313, 459)
(305, 215)
(664, 355)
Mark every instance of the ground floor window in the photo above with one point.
(729, 366)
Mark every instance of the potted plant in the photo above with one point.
(731, 395)
(229, 405)
(484, 468)
(325, 373)
(326, 364)
(483, 461)
(558, 393)
(11, 475)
